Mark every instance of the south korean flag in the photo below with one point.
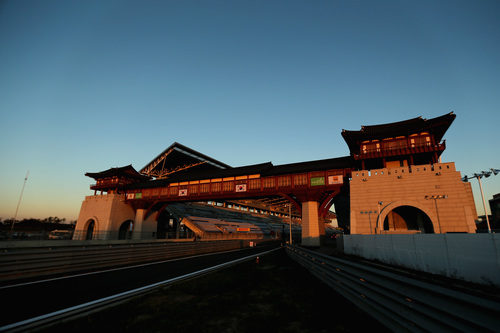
(241, 188)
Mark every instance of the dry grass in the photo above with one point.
(274, 295)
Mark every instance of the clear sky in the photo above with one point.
(89, 85)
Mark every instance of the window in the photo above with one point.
(254, 184)
(227, 186)
(284, 181)
(193, 189)
(268, 182)
(216, 187)
(204, 188)
(300, 179)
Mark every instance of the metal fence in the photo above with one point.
(26, 262)
(400, 302)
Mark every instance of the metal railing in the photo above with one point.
(29, 262)
(51, 319)
(400, 302)
(183, 235)
(123, 235)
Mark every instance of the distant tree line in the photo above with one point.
(37, 225)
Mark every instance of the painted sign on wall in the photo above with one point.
(317, 181)
(335, 179)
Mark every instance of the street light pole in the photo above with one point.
(478, 177)
(484, 205)
(290, 215)
(369, 219)
(18, 203)
(435, 198)
(377, 228)
(437, 213)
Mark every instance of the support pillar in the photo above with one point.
(311, 228)
(139, 218)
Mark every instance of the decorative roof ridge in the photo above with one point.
(314, 161)
(189, 151)
(415, 120)
(438, 125)
(129, 169)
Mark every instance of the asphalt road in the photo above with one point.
(26, 301)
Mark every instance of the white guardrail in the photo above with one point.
(401, 303)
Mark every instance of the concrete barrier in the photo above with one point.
(36, 259)
(469, 257)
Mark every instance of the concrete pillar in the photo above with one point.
(139, 218)
(311, 230)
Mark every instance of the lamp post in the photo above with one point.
(378, 229)
(484, 174)
(290, 215)
(435, 198)
(369, 218)
(18, 203)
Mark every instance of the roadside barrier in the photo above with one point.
(29, 262)
(402, 303)
(48, 320)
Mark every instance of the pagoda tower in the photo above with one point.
(400, 185)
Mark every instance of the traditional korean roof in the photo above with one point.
(318, 165)
(177, 158)
(263, 169)
(126, 171)
(436, 126)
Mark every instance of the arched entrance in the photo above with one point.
(89, 230)
(167, 226)
(125, 231)
(408, 218)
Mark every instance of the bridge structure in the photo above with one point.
(385, 185)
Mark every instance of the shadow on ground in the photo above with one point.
(273, 295)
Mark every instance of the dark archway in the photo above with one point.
(125, 231)
(167, 226)
(408, 218)
(89, 231)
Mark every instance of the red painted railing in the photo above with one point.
(243, 186)
(400, 151)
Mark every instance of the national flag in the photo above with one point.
(241, 188)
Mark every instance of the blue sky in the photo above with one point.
(89, 85)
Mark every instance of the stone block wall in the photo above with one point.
(409, 186)
(108, 211)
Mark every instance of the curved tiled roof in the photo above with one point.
(437, 126)
(126, 171)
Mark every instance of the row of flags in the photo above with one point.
(315, 181)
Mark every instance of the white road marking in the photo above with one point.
(114, 269)
(82, 307)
